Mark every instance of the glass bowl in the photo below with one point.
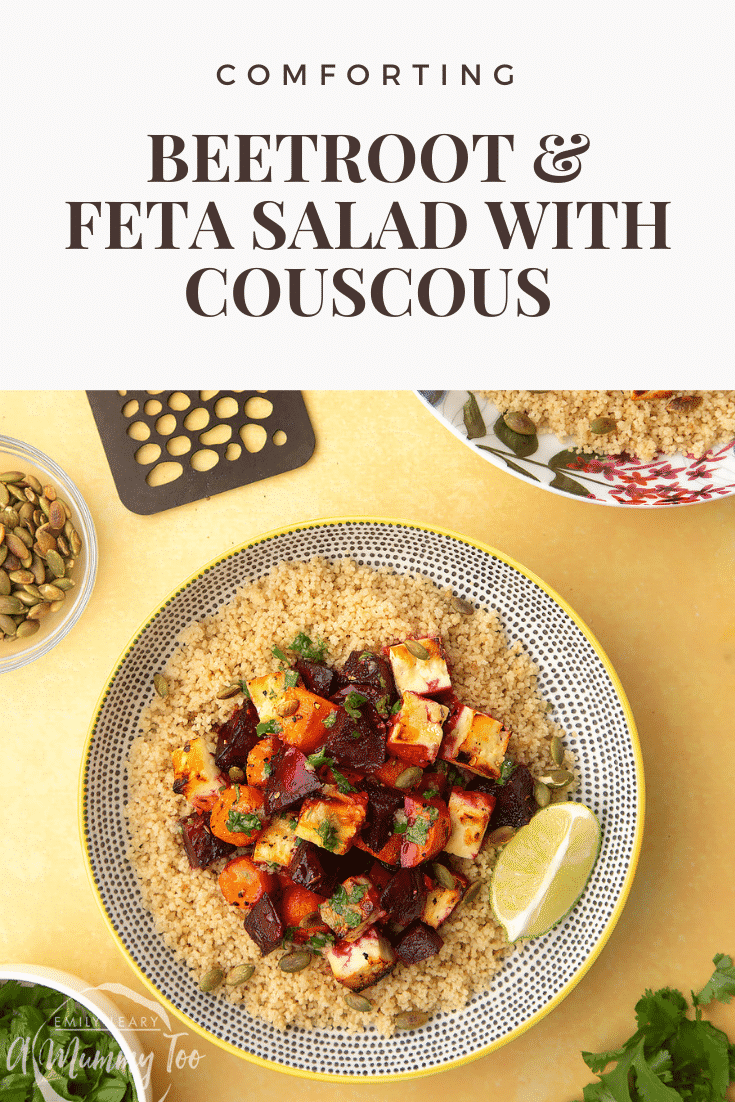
(14, 653)
(101, 1008)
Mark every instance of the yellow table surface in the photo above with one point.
(657, 587)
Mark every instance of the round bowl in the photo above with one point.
(589, 704)
(97, 1003)
(14, 653)
(552, 465)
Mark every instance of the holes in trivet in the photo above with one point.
(225, 407)
(279, 438)
(204, 459)
(138, 430)
(179, 401)
(163, 473)
(149, 453)
(259, 408)
(178, 445)
(234, 451)
(196, 420)
(131, 408)
(165, 425)
(219, 434)
(253, 437)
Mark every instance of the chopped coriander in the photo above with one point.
(278, 653)
(365, 655)
(396, 707)
(353, 702)
(291, 679)
(269, 727)
(321, 757)
(267, 768)
(400, 822)
(328, 834)
(310, 651)
(430, 793)
(418, 831)
(243, 822)
(320, 941)
(330, 720)
(245, 690)
(381, 705)
(343, 784)
(721, 984)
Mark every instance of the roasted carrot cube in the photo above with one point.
(300, 716)
(390, 771)
(417, 733)
(389, 854)
(259, 764)
(242, 883)
(300, 912)
(237, 817)
(428, 827)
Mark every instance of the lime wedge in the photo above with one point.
(542, 871)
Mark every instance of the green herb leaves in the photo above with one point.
(243, 822)
(309, 651)
(352, 703)
(670, 1057)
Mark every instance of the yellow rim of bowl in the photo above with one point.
(300, 1073)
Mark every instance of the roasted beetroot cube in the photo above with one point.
(355, 862)
(202, 847)
(315, 868)
(404, 895)
(359, 690)
(382, 806)
(357, 742)
(372, 669)
(291, 780)
(318, 678)
(515, 805)
(417, 943)
(264, 925)
(236, 738)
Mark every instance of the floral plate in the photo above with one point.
(603, 479)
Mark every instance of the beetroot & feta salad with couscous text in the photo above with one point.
(338, 825)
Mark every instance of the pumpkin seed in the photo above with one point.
(558, 778)
(64, 583)
(409, 777)
(22, 577)
(312, 919)
(229, 690)
(11, 476)
(357, 1002)
(23, 535)
(418, 650)
(51, 592)
(241, 973)
(55, 563)
(472, 892)
(39, 611)
(500, 836)
(49, 493)
(56, 606)
(235, 774)
(557, 751)
(38, 570)
(4, 495)
(517, 421)
(30, 496)
(212, 980)
(63, 547)
(559, 796)
(411, 1019)
(45, 542)
(32, 481)
(601, 426)
(33, 591)
(56, 515)
(27, 628)
(3, 551)
(7, 626)
(10, 606)
(160, 684)
(15, 546)
(541, 794)
(75, 542)
(45, 504)
(4, 583)
(295, 962)
(16, 492)
(684, 404)
(442, 875)
(28, 599)
(460, 605)
(286, 708)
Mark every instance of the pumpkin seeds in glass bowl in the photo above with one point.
(51, 520)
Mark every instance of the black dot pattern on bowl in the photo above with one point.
(574, 677)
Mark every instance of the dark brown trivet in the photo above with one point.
(124, 417)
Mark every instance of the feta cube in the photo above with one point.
(359, 964)
(440, 902)
(353, 907)
(427, 675)
(470, 814)
(417, 731)
(278, 842)
(333, 820)
(266, 692)
(196, 775)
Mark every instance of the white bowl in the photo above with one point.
(14, 653)
(103, 1008)
(552, 465)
